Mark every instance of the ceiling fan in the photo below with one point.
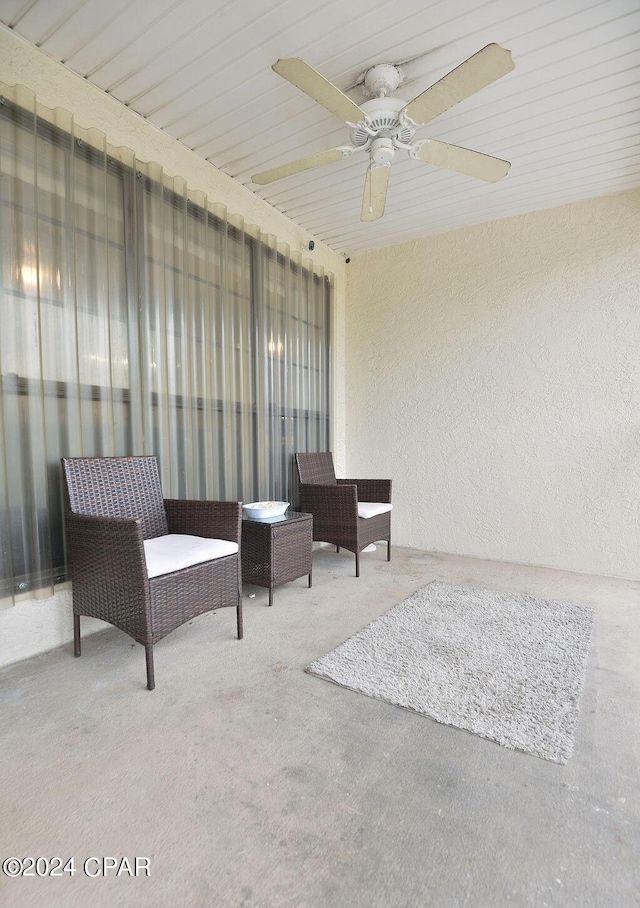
(384, 124)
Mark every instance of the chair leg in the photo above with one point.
(357, 564)
(151, 680)
(239, 614)
(310, 577)
(337, 548)
(388, 550)
(270, 595)
(76, 636)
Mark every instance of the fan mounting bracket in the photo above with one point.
(407, 121)
(365, 125)
(415, 147)
(347, 150)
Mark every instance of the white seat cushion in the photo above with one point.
(372, 508)
(173, 552)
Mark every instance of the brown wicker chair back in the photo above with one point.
(117, 487)
(314, 469)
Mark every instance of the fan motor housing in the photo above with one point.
(384, 114)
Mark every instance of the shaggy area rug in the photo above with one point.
(510, 668)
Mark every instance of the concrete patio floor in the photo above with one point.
(246, 782)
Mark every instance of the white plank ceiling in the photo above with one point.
(567, 117)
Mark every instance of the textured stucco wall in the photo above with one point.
(494, 373)
(34, 626)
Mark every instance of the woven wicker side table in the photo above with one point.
(277, 551)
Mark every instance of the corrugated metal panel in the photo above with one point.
(567, 117)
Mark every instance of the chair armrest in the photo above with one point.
(105, 545)
(371, 489)
(341, 500)
(211, 519)
(109, 570)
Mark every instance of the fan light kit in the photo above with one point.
(384, 124)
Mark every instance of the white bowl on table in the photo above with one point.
(260, 510)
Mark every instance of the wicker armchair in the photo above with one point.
(350, 513)
(143, 563)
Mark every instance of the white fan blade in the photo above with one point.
(375, 192)
(308, 80)
(454, 157)
(287, 170)
(489, 64)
